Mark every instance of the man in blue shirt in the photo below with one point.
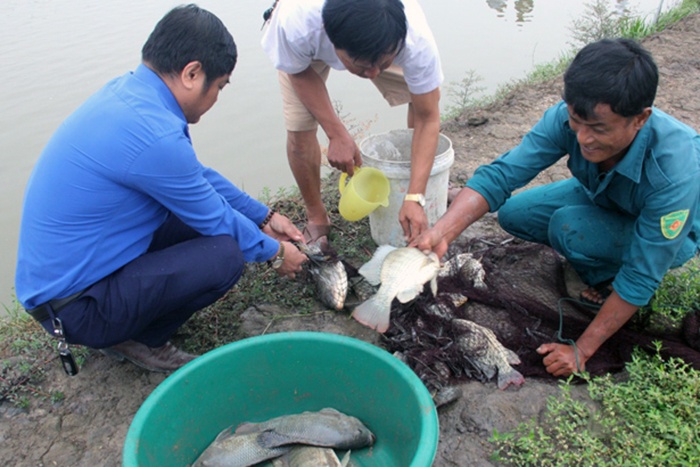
(630, 211)
(124, 233)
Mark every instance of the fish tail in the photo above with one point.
(506, 378)
(372, 313)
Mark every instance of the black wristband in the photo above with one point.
(267, 219)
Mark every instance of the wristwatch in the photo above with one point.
(279, 259)
(417, 197)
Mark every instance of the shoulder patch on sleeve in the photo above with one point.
(672, 223)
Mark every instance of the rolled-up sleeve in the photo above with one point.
(544, 145)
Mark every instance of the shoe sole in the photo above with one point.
(120, 357)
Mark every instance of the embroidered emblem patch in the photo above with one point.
(672, 223)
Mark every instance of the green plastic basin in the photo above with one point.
(267, 376)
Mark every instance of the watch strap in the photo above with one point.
(278, 260)
(417, 197)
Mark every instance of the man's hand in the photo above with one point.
(431, 240)
(560, 359)
(282, 229)
(293, 259)
(343, 153)
(413, 220)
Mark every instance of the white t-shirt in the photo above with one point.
(294, 37)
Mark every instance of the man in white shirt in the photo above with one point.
(387, 41)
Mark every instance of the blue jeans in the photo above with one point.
(593, 239)
(148, 299)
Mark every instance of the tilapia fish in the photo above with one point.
(327, 428)
(329, 275)
(402, 272)
(467, 268)
(237, 450)
(480, 346)
(311, 456)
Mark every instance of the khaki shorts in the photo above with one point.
(390, 83)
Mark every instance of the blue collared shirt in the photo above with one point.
(108, 178)
(659, 176)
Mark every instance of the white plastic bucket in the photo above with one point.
(391, 153)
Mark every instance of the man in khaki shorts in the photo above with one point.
(387, 41)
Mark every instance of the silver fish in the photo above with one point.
(480, 346)
(237, 450)
(329, 275)
(327, 428)
(402, 272)
(311, 456)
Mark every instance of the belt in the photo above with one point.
(41, 313)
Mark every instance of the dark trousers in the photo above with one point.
(148, 299)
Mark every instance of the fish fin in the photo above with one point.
(410, 293)
(224, 434)
(373, 314)
(371, 269)
(506, 378)
(489, 371)
(512, 357)
(270, 438)
(247, 427)
(345, 460)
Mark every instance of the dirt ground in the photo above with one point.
(89, 426)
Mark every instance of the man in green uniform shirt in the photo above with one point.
(630, 211)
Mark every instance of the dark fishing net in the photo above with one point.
(525, 303)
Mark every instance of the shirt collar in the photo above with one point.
(151, 78)
(631, 165)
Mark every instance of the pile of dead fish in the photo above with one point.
(439, 346)
(304, 439)
(442, 347)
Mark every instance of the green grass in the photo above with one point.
(648, 419)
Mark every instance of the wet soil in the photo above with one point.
(89, 426)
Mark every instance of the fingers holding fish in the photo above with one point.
(289, 260)
(430, 240)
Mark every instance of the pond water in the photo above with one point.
(58, 52)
